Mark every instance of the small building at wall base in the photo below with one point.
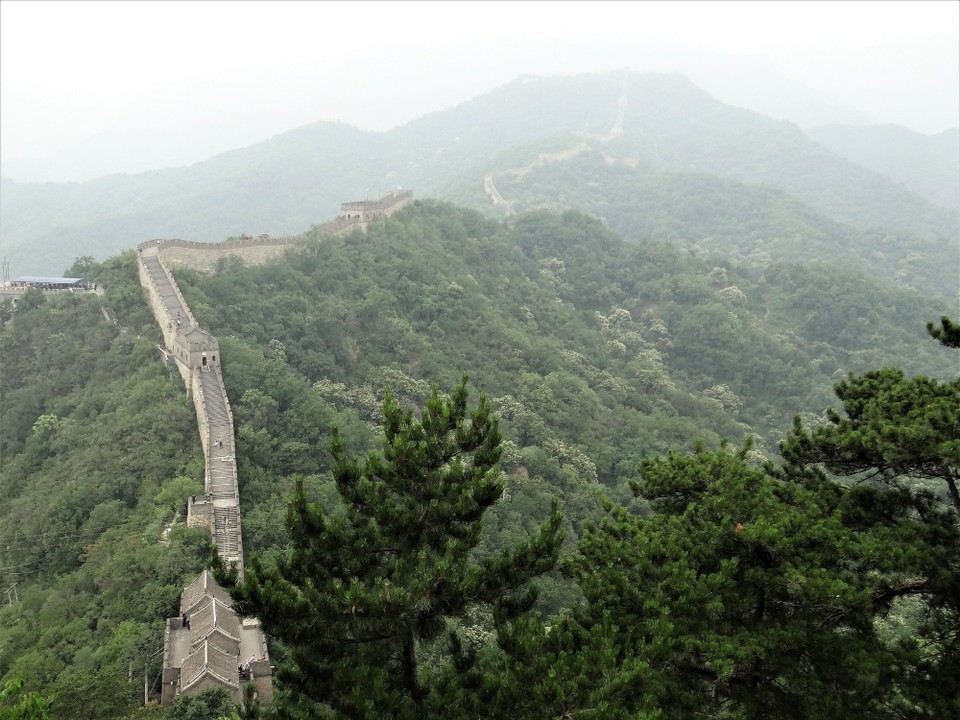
(51, 283)
(209, 645)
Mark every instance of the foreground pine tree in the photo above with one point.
(732, 600)
(756, 591)
(898, 447)
(360, 592)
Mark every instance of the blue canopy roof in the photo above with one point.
(48, 280)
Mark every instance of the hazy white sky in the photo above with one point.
(126, 86)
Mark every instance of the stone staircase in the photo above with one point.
(222, 468)
(167, 293)
(221, 490)
(226, 532)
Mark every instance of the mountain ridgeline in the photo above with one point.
(656, 135)
(927, 164)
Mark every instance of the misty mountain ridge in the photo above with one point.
(299, 177)
(929, 165)
(786, 86)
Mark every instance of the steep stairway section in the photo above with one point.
(169, 296)
(195, 352)
(226, 533)
(220, 458)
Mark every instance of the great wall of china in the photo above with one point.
(208, 645)
(616, 131)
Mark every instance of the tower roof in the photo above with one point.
(203, 587)
(207, 660)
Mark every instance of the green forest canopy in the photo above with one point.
(597, 357)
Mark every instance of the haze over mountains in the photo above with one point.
(926, 164)
(638, 125)
(858, 81)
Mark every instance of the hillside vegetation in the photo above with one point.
(98, 454)
(755, 226)
(597, 356)
(927, 164)
(595, 351)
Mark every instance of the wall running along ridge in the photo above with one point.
(204, 644)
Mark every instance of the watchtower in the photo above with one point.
(365, 211)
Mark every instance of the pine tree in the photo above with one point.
(751, 591)
(899, 444)
(737, 597)
(948, 333)
(894, 428)
(359, 593)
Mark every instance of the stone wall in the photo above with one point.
(205, 257)
(203, 422)
(200, 511)
(197, 356)
(365, 211)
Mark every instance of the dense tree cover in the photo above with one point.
(380, 573)
(748, 590)
(98, 453)
(893, 427)
(898, 442)
(211, 704)
(652, 328)
(693, 595)
(755, 226)
(17, 705)
(751, 591)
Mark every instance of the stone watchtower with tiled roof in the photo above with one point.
(209, 645)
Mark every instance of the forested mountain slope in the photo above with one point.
(927, 164)
(595, 353)
(98, 453)
(752, 225)
(650, 123)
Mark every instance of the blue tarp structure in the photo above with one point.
(41, 281)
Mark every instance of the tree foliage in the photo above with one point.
(15, 704)
(211, 704)
(948, 333)
(894, 427)
(95, 442)
(361, 593)
(900, 442)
